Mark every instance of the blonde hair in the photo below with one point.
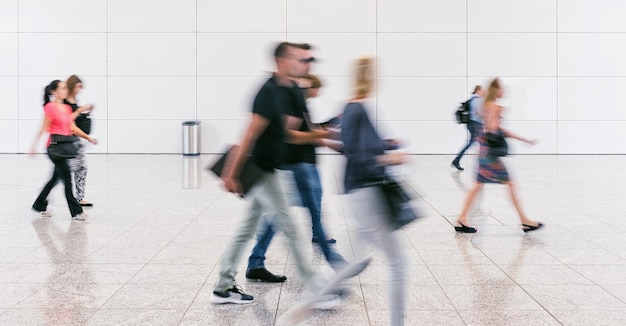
(364, 77)
(492, 91)
(315, 81)
(71, 83)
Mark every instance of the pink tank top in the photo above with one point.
(60, 121)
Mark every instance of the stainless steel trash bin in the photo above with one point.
(191, 138)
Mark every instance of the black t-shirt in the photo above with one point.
(298, 153)
(82, 121)
(270, 103)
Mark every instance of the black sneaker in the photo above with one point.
(263, 275)
(329, 241)
(232, 295)
(457, 166)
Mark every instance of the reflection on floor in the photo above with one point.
(148, 253)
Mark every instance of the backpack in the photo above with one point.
(463, 112)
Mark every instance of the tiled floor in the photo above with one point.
(160, 223)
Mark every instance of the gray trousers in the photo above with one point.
(78, 166)
(268, 196)
(370, 214)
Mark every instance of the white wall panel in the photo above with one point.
(231, 54)
(421, 16)
(415, 98)
(337, 51)
(512, 54)
(8, 16)
(598, 98)
(31, 90)
(26, 133)
(147, 98)
(152, 54)
(530, 98)
(592, 54)
(227, 98)
(331, 16)
(152, 15)
(512, 16)
(8, 132)
(218, 134)
(591, 137)
(62, 16)
(242, 16)
(8, 55)
(62, 54)
(592, 16)
(151, 136)
(99, 131)
(8, 85)
(427, 137)
(422, 54)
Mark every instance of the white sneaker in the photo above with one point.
(80, 217)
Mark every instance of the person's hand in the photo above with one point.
(233, 185)
(533, 142)
(322, 133)
(92, 140)
(334, 145)
(90, 107)
(392, 159)
(32, 152)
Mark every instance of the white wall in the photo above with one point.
(149, 64)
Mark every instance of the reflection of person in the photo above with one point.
(474, 124)
(264, 139)
(491, 169)
(366, 162)
(78, 165)
(63, 309)
(300, 160)
(59, 120)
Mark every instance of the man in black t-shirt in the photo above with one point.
(300, 160)
(264, 140)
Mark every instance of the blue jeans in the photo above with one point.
(474, 128)
(310, 189)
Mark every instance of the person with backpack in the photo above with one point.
(473, 121)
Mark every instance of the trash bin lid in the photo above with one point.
(191, 123)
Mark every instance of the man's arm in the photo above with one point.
(236, 158)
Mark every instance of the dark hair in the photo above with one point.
(282, 49)
(477, 88)
(49, 89)
(71, 83)
(315, 81)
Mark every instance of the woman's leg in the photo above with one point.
(79, 167)
(467, 205)
(514, 198)
(41, 203)
(63, 171)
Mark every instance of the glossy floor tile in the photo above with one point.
(149, 252)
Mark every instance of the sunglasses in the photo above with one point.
(307, 60)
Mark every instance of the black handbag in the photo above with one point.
(63, 147)
(497, 144)
(83, 121)
(398, 201)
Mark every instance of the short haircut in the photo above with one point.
(282, 50)
(477, 88)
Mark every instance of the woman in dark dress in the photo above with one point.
(491, 169)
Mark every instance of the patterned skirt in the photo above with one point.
(491, 169)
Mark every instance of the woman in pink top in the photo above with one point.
(59, 120)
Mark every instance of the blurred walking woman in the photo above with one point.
(366, 162)
(78, 165)
(58, 120)
(491, 169)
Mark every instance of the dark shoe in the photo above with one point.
(86, 204)
(232, 295)
(457, 166)
(263, 275)
(465, 229)
(329, 241)
(528, 228)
